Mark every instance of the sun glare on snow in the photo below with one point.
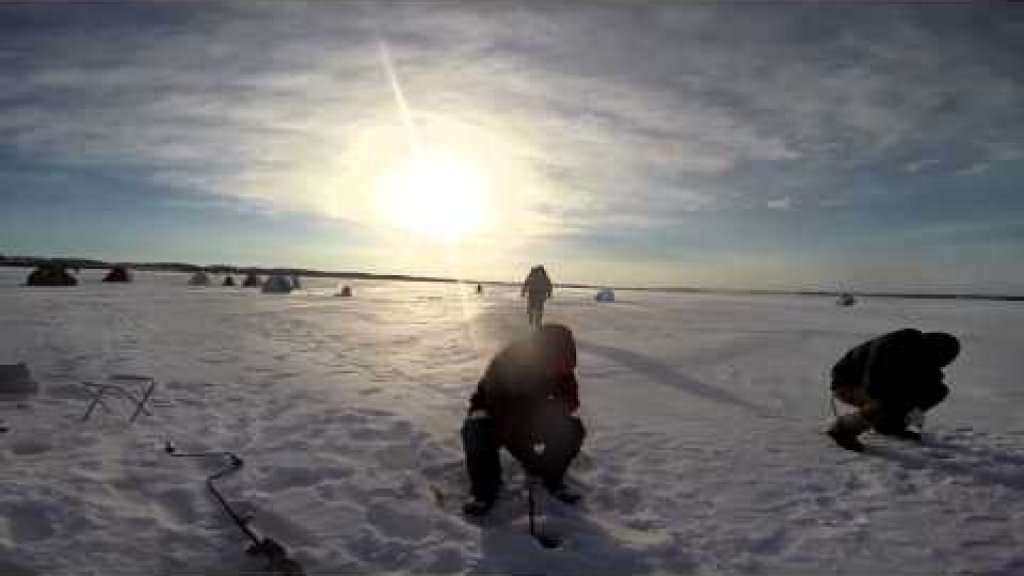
(437, 194)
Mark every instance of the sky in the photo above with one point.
(711, 145)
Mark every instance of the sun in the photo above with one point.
(437, 194)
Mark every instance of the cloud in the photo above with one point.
(974, 169)
(587, 117)
(785, 203)
(920, 165)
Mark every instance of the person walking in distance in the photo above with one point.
(537, 288)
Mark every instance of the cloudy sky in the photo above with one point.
(785, 146)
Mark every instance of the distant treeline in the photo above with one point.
(89, 264)
(85, 264)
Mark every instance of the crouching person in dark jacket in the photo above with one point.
(527, 402)
(891, 380)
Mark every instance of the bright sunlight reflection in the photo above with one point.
(438, 194)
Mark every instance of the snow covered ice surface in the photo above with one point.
(704, 454)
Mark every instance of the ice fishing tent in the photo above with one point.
(846, 299)
(200, 278)
(605, 295)
(277, 284)
(344, 291)
(252, 281)
(51, 274)
(296, 284)
(229, 281)
(118, 274)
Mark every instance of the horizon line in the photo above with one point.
(92, 263)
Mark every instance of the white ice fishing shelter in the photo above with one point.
(200, 278)
(277, 284)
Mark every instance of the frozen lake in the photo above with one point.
(704, 453)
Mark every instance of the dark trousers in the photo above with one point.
(481, 441)
(535, 309)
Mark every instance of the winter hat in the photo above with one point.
(560, 347)
(941, 348)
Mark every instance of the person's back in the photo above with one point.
(528, 383)
(892, 366)
(538, 283)
(538, 288)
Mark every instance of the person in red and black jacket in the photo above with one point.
(527, 401)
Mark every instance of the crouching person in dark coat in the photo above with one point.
(526, 402)
(891, 380)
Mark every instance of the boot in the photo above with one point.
(845, 429)
(845, 439)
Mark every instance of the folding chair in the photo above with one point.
(120, 385)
